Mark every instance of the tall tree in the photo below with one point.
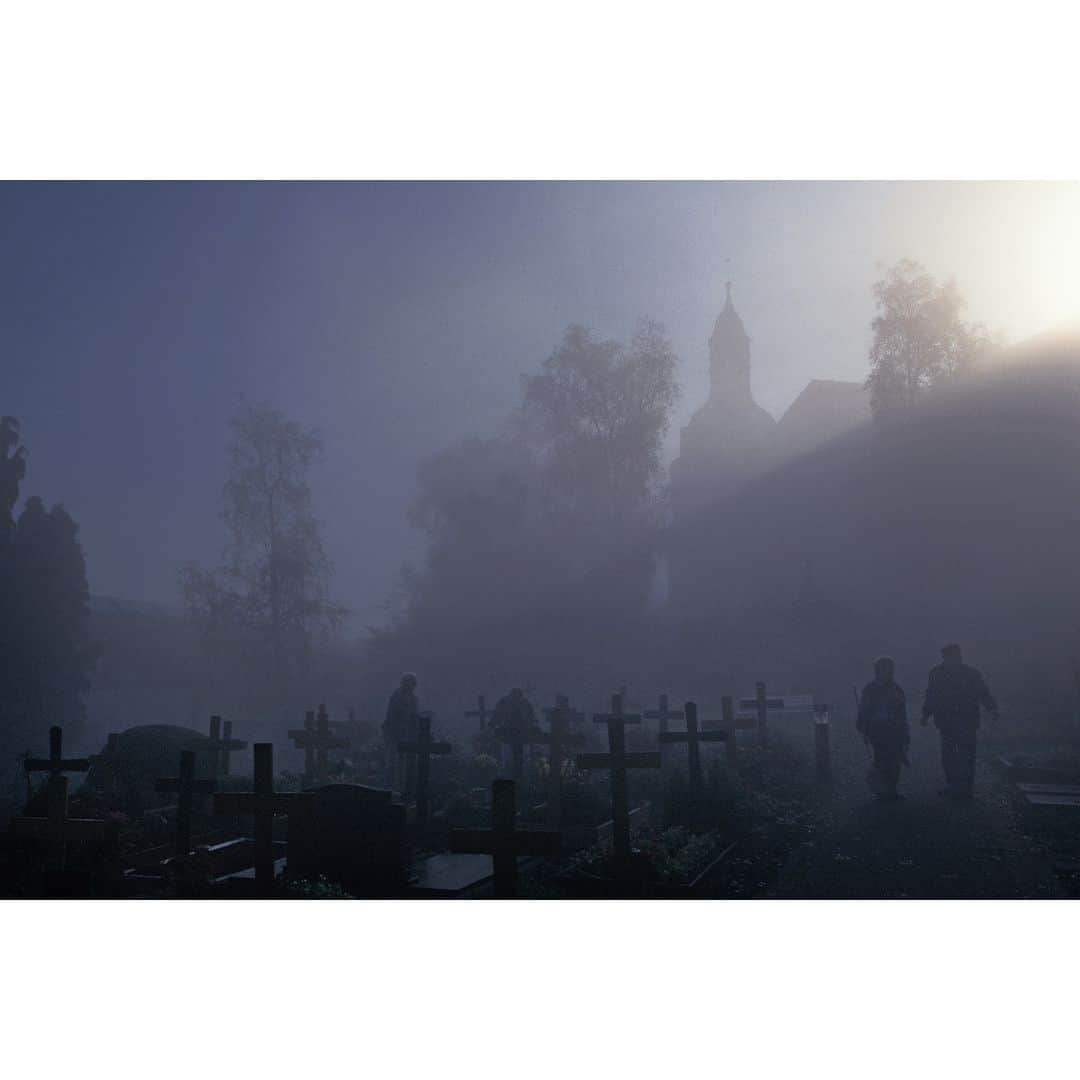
(271, 598)
(920, 337)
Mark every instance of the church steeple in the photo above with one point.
(729, 356)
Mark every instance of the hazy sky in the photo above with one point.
(397, 318)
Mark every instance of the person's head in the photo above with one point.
(516, 693)
(408, 681)
(884, 669)
(951, 654)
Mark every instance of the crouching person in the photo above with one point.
(883, 722)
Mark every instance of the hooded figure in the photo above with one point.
(399, 725)
(954, 695)
(883, 722)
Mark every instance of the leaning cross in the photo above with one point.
(318, 741)
(423, 746)
(264, 804)
(617, 761)
(663, 714)
(503, 842)
(481, 712)
(557, 740)
(56, 825)
(693, 737)
(185, 785)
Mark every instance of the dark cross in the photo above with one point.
(185, 785)
(301, 738)
(663, 714)
(263, 804)
(219, 747)
(762, 705)
(727, 709)
(320, 741)
(693, 736)
(557, 740)
(617, 761)
(56, 763)
(423, 746)
(518, 740)
(481, 712)
(108, 762)
(503, 842)
(56, 826)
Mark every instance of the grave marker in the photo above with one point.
(727, 711)
(503, 842)
(263, 804)
(663, 715)
(481, 712)
(423, 747)
(557, 740)
(318, 741)
(617, 761)
(693, 737)
(186, 786)
(219, 747)
(301, 739)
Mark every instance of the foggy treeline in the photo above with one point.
(553, 562)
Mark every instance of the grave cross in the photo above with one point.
(518, 740)
(693, 736)
(319, 741)
(503, 842)
(56, 825)
(220, 747)
(617, 761)
(557, 740)
(727, 710)
(56, 763)
(424, 747)
(264, 804)
(481, 712)
(301, 739)
(185, 785)
(663, 714)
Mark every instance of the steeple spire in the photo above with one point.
(729, 356)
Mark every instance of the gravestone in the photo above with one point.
(423, 747)
(186, 787)
(503, 842)
(693, 737)
(263, 804)
(617, 761)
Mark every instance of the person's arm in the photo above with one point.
(864, 711)
(986, 699)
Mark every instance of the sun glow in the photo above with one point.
(1048, 253)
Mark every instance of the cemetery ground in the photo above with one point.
(631, 813)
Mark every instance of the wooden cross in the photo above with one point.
(518, 740)
(318, 741)
(220, 747)
(557, 740)
(481, 712)
(186, 786)
(108, 762)
(663, 714)
(264, 804)
(503, 842)
(693, 736)
(301, 739)
(423, 746)
(56, 826)
(56, 764)
(617, 761)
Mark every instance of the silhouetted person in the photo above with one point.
(513, 720)
(400, 724)
(883, 721)
(954, 694)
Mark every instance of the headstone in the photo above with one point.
(693, 736)
(423, 747)
(186, 787)
(617, 761)
(263, 804)
(503, 842)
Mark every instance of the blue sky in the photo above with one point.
(397, 318)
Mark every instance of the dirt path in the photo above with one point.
(922, 848)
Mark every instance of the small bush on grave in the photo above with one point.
(319, 889)
(671, 856)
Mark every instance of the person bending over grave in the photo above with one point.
(399, 726)
(514, 720)
(954, 694)
(883, 722)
